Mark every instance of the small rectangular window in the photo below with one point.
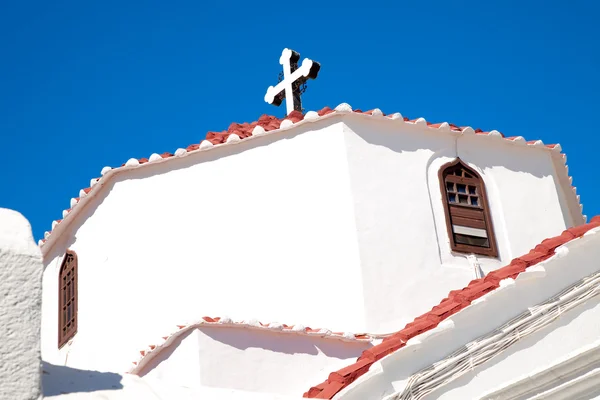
(466, 209)
(67, 295)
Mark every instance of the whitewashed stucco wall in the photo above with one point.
(20, 309)
(407, 263)
(337, 224)
(262, 229)
(249, 360)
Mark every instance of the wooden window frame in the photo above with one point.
(477, 181)
(68, 265)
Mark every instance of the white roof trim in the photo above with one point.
(151, 351)
(343, 110)
(425, 351)
(496, 342)
(557, 377)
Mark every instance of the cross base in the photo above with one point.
(293, 84)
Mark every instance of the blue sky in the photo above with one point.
(89, 84)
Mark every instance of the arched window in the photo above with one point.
(67, 298)
(467, 211)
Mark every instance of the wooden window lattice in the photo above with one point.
(67, 302)
(467, 212)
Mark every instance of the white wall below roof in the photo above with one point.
(407, 263)
(523, 189)
(266, 232)
(250, 360)
(20, 308)
(332, 224)
(395, 226)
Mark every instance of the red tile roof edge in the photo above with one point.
(456, 301)
(152, 350)
(266, 123)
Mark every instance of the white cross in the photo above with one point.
(308, 70)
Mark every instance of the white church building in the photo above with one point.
(336, 254)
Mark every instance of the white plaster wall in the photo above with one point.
(523, 191)
(20, 309)
(179, 364)
(396, 231)
(262, 229)
(333, 224)
(406, 260)
(250, 360)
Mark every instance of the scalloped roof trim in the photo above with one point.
(267, 124)
(151, 351)
(456, 301)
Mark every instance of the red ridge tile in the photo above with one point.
(473, 291)
(510, 271)
(580, 230)
(315, 390)
(295, 116)
(447, 308)
(331, 390)
(324, 111)
(387, 346)
(216, 137)
(456, 301)
(417, 327)
(351, 372)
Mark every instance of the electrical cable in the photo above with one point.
(492, 344)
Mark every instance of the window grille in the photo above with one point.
(467, 210)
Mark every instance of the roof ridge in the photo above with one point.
(152, 350)
(237, 132)
(456, 301)
(266, 124)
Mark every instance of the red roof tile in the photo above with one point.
(456, 301)
(270, 123)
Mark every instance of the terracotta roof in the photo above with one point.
(152, 350)
(456, 301)
(269, 124)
